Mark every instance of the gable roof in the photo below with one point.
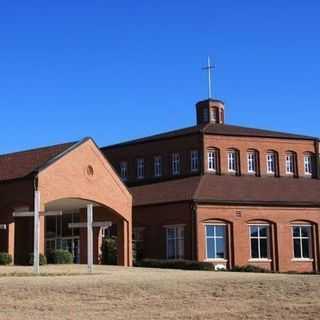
(22, 164)
(216, 129)
(231, 190)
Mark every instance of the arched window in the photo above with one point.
(233, 161)
(213, 160)
(260, 240)
(272, 162)
(290, 163)
(308, 158)
(216, 240)
(253, 162)
(302, 240)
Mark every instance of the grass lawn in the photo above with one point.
(66, 292)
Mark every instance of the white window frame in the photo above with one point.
(289, 163)
(252, 161)
(214, 237)
(232, 161)
(212, 160)
(140, 168)
(175, 164)
(157, 164)
(308, 164)
(194, 160)
(300, 238)
(178, 240)
(124, 170)
(271, 162)
(259, 225)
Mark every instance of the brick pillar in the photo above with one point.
(11, 239)
(124, 244)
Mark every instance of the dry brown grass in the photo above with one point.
(122, 293)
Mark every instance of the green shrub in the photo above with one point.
(42, 259)
(109, 251)
(59, 256)
(175, 264)
(250, 268)
(5, 258)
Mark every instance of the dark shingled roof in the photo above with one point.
(217, 129)
(21, 164)
(231, 190)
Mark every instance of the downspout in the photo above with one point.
(317, 162)
(194, 236)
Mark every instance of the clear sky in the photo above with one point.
(118, 70)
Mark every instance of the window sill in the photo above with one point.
(302, 260)
(260, 260)
(216, 260)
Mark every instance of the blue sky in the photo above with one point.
(118, 70)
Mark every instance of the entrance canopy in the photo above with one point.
(77, 178)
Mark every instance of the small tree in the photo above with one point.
(109, 252)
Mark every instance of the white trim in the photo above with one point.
(260, 260)
(97, 224)
(3, 227)
(219, 260)
(21, 214)
(89, 237)
(302, 259)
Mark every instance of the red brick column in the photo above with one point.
(11, 237)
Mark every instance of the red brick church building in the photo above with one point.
(212, 192)
(226, 194)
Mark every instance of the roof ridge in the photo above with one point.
(38, 149)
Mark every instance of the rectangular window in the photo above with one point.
(271, 163)
(213, 115)
(140, 168)
(175, 242)
(124, 170)
(175, 164)
(259, 240)
(252, 162)
(302, 241)
(205, 115)
(216, 241)
(308, 165)
(232, 161)
(289, 163)
(212, 160)
(194, 160)
(157, 166)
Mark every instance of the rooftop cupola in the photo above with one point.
(210, 111)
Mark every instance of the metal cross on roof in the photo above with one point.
(209, 67)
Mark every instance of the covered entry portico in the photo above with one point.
(78, 182)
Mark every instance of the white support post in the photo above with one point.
(36, 247)
(90, 237)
